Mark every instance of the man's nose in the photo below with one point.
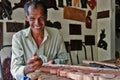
(37, 21)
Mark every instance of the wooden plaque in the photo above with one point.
(74, 29)
(103, 14)
(74, 14)
(89, 40)
(14, 26)
(76, 45)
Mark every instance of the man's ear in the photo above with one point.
(26, 18)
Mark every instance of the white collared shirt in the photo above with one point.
(24, 46)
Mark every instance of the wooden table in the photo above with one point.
(74, 72)
(46, 76)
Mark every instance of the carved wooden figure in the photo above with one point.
(84, 3)
(88, 22)
(5, 9)
(69, 2)
(101, 42)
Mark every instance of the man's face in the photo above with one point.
(36, 18)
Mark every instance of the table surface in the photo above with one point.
(47, 76)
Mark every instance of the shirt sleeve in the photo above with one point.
(62, 55)
(17, 60)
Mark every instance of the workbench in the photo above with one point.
(46, 76)
(74, 72)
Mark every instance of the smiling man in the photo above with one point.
(37, 44)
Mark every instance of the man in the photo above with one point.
(37, 44)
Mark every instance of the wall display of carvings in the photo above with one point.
(76, 19)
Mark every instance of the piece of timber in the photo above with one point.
(85, 69)
(45, 76)
(77, 72)
(109, 65)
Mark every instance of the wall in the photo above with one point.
(109, 25)
(57, 15)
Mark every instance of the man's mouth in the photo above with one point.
(37, 27)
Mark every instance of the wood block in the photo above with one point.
(14, 26)
(74, 14)
(103, 14)
(53, 70)
(64, 71)
(75, 75)
(89, 40)
(76, 45)
(74, 29)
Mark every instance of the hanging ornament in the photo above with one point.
(91, 3)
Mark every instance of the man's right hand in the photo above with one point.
(34, 63)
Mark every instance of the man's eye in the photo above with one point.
(31, 19)
(41, 18)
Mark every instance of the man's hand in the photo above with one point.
(34, 63)
(51, 62)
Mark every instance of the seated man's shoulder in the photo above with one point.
(52, 30)
(21, 32)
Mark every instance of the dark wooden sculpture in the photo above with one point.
(69, 2)
(1, 10)
(48, 3)
(5, 9)
(60, 3)
(75, 29)
(20, 4)
(101, 42)
(54, 24)
(84, 3)
(88, 22)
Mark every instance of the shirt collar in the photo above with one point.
(28, 33)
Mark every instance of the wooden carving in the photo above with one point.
(20, 4)
(74, 29)
(74, 14)
(48, 3)
(88, 22)
(54, 24)
(76, 45)
(89, 40)
(91, 3)
(84, 3)
(103, 14)
(14, 26)
(5, 9)
(102, 43)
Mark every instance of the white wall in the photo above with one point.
(109, 25)
(57, 15)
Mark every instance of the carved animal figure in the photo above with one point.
(101, 42)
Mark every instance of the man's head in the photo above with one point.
(36, 14)
(36, 4)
